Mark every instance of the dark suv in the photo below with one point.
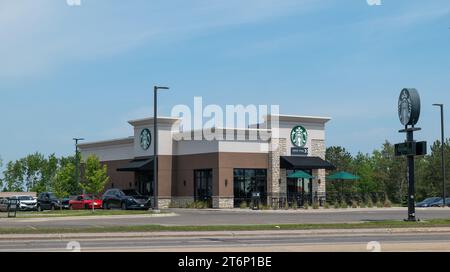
(48, 201)
(125, 199)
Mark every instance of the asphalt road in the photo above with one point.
(256, 243)
(228, 217)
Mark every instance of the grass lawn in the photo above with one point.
(155, 228)
(68, 213)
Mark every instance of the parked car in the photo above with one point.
(125, 199)
(85, 202)
(26, 203)
(65, 202)
(4, 204)
(428, 202)
(440, 203)
(48, 201)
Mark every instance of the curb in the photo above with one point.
(72, 218)
(309, 211)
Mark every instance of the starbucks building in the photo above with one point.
(222, 171)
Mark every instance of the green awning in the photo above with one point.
(300, 175)
(342, 176)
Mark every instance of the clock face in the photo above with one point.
(299, 136)
(404, 107)
(146, 139)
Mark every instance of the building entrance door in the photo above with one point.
(144, 182)
(203, 185)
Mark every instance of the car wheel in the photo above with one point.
(53, 207)
(124, 206)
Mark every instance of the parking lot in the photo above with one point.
(191, 217)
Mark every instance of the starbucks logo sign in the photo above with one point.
(145, 139)
(409, 107)
(299, 136)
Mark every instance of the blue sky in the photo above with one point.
(84, 71)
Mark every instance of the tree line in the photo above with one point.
(37, 173)
(383, 176)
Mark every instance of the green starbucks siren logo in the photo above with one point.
(299, 136)
(145, 139)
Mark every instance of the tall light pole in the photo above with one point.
(77, 163)
(155, 145)
(442, 153)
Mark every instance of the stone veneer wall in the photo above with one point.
(164, 203)
(319, 184)
(182, 201)
(276, 180)
(222, 202)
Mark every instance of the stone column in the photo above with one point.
(273, 173)
(319, 184)
(276, 180)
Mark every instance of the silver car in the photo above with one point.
(3, 204)
(26, 203)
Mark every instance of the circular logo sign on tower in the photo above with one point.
(146, 139)
(409, 107)
(299, 136)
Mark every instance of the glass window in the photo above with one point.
(248, 181)
(203, 184)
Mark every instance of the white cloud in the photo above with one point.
(39, 36)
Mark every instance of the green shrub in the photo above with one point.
(370, 203)
(363, 205)
(336, 205)
(379, 204)
(354, 204)
(294, 205)
(344, 205)
(326, 205)
(243, 205)
(315, 206)
(306, 206)
(387, 203)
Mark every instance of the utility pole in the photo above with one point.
(442, 154)
(155, 146)
(77, 163)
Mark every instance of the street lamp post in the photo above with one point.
(155, 145)
(442, 153)
(77, 170)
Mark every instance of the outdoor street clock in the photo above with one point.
(409, 107)
(299, 136)
(146, 139)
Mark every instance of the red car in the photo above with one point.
(84, 202)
